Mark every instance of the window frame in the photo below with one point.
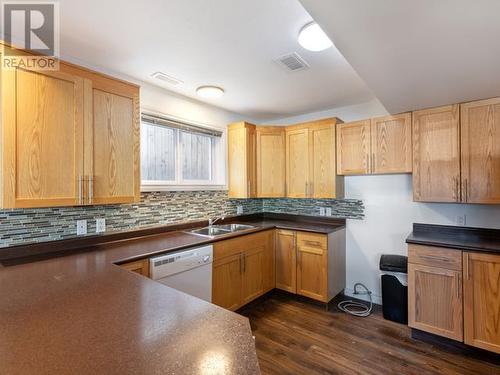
(217, 174)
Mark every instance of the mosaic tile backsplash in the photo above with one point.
(47, 224)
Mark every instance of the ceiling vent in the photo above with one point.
(167, 79)
(293, 62)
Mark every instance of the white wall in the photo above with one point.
(389, 210)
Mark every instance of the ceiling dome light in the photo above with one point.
(210, 92)
(313, 38)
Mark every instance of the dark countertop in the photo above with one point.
(82, 314)
(460, 238)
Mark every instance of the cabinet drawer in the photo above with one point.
(435, 257)
(241, 244)
(311, 240)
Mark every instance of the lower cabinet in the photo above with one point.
(286, 261)
(139, 266)
(482, 300)
(311, 264)
(243, 269)
(455, 294)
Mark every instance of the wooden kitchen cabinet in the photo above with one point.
(297, 162)
(480, 151)
(435, 291)
(69, 137)
(378, 146)
(112, 143)
(436, 155)
(140, 267)
(242, 160)
(312, 266)
(311, 160)
(391, 147)
(227, 282)
(482, 300)
(286, 260)
(243, 269)
(270, 162)
(42, 126)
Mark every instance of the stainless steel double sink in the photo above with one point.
(220, 230)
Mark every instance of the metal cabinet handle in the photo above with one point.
(91, 189)
(241, 263)
(80, 189)
(458, 285)
(467, 273)
(248, 189)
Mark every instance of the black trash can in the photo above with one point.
(395, 287)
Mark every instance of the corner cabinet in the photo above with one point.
(381, 145)
(69, 137)
(243, 269)
(311, 161)
(241, 160)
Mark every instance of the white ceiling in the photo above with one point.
(417, 54)
(231, 43)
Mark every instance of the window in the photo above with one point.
(178, 154)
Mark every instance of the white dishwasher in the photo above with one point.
(189, 271)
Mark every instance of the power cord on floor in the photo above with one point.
(357, 308)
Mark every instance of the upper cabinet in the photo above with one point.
(242, 160)
(377, 146)
(456, 153)
(310, 161)
(436, 154)
(391, 144)
(69, 137)
(480, 145)
(274, 161)
(270, 161)
(353, 148)
(42, 138)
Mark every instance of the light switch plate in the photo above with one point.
(322, 211)
(81, 227)
(239, 210)
(100, 225)
(328, 211)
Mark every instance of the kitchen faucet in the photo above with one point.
(211, 221)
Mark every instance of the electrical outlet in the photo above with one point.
(322, 211)
(81, 227)
(239, 210)
(100, 225)
(461, 220)
(328, 211)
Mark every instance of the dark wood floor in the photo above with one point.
(297, 337)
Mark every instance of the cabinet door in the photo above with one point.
(241, 160)
(436, 155)
(435, 301)
(270, 162)
(482, 300)
(297, 163)
(112, 147)
(253, 271)
(312, 261)
(42, 138)
(391, 144)
(353, 148)
(480, 135)
(286, 261)
(323, 164)
(227, 282)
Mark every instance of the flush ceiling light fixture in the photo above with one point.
(210, 92)
(313, 38)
